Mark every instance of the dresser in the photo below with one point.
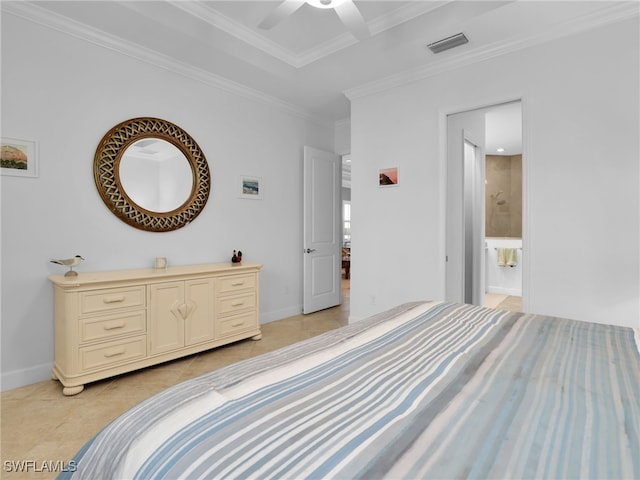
(109, 323)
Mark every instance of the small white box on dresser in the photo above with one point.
(108, 323)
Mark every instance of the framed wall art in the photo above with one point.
(18, 157)
(388, 177)
(251, 187)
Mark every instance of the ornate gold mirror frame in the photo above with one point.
(106, 167)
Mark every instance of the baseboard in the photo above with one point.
(25, 376)
(505, 291)
(266, 317)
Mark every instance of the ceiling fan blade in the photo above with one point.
(281, 12)
(352, 18)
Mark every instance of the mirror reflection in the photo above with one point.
(156, 175)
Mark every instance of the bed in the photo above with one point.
(425, 390)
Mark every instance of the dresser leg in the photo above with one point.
(72, 390)
(257, 337)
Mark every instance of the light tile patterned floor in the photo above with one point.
(511, 303)
(503, 302)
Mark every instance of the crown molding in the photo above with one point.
(376, 26)
(237, 30)
(404, 14)
(60, 23)
(250, 37)
(610, 14)
(298, 60)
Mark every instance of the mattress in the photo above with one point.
(425, 390)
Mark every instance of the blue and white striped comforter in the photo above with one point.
(429, 390)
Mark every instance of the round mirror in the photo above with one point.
(151, 174)
(155, 175)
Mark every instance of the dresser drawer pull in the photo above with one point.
(236, 325)
(237, 303)
(121, 298)
(114, 325)
(237, 283)
(114, 353)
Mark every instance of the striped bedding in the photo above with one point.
(426, 390)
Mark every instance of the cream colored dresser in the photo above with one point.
(108, 323)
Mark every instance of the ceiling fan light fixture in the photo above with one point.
(325, 3)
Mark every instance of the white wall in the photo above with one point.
(65, 94)
(342, 142)
(580, 109)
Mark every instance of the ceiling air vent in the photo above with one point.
(447, 43)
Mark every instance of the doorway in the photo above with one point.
(484, 212)
(346, 231)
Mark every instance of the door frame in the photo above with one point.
(443, 113)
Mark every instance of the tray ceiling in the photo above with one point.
(310, 60)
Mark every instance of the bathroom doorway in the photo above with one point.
(503, 207)
(484, 257)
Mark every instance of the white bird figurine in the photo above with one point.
(69, 262)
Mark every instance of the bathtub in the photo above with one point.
(503, 280)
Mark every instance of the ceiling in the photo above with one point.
(310, 63)
(503, 129)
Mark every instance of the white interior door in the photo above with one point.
(474, 217)
(464, 232)
(322, 230)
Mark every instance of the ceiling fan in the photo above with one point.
(346, 10)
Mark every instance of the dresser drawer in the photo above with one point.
(97, 301)
(113, 325)
(236, 303)
(238, 323)
(106, 354)
(236, 283)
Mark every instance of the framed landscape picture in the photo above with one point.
(251, 187)
(18, 157)
(388, 177)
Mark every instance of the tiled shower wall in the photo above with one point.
(503, 210)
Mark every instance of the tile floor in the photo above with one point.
(503, 302)
(39, 424)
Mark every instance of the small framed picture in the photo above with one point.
(161, 263)
(251, 187)
(18, 157)
(388, 177)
